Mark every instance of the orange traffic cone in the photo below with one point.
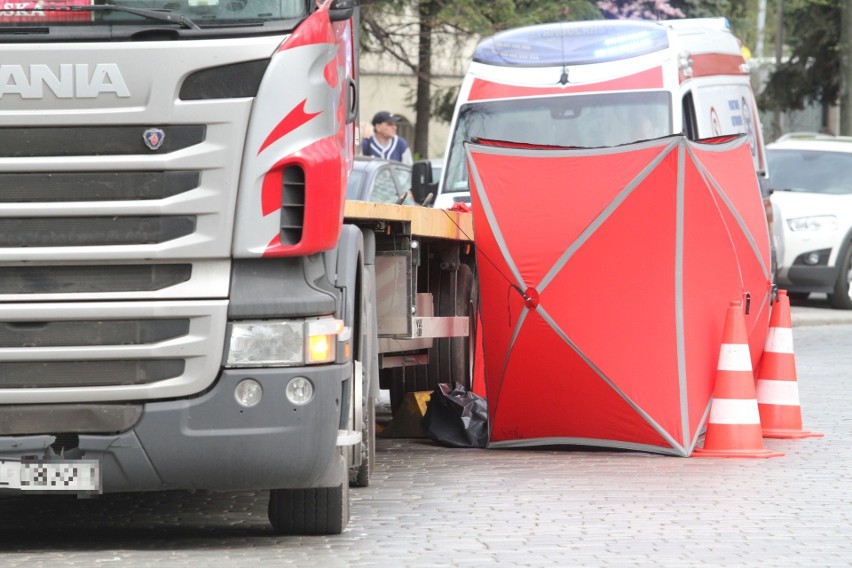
(733, 428)
(777, 390)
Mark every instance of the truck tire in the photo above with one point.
(367, 353)
(360, 476)
(451, 363)
(314, 511)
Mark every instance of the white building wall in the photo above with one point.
(386, 84)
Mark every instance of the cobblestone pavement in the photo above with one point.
(433, 506)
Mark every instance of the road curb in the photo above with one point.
(807, 316)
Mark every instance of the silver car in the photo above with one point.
(379, 181)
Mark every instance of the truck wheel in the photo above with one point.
(315, 511)
(841, 298)
(451, 360)
(367, 354)
(360, 476)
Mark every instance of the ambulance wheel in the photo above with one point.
(841, 298)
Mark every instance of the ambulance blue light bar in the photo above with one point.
(571, 43)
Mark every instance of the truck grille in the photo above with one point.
(92, 140)
(92, 231)
(109, 332)
(116, 225)
(92, 279)
(114, 261)
(86, 373)
(109, 351)
(94, 186)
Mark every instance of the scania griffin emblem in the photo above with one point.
(154, 138)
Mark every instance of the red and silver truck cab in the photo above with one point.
(601, 83)
(179, 301)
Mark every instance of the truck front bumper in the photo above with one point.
(211, 442)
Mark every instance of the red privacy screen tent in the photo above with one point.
(605, 275)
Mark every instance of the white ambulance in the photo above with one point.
(601, 83)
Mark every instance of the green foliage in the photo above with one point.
(707, 8)
(812, 72)
(639, 9)
(741, 15)
(443, 103)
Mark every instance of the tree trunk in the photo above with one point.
(427, 10)
(777, 127)
(846, 70)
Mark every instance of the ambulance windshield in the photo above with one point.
(566, 121)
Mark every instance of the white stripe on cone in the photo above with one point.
(734, 411)
(779, 340)
(734, 357)
(782, 393)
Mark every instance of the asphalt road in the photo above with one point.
(817, 311)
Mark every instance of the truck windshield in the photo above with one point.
(186, 13)
(565, 120)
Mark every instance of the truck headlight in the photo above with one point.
(813, 223)
(283, 342)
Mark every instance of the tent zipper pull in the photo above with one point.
(748, 302)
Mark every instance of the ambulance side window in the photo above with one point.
(690, 121)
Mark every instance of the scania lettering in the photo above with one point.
(601, 83)
(186, 299)
(20, 9)
(68, 82)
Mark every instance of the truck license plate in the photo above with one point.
(35, 475)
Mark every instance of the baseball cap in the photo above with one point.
(384, 116)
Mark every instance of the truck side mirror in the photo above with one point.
(421, 181)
